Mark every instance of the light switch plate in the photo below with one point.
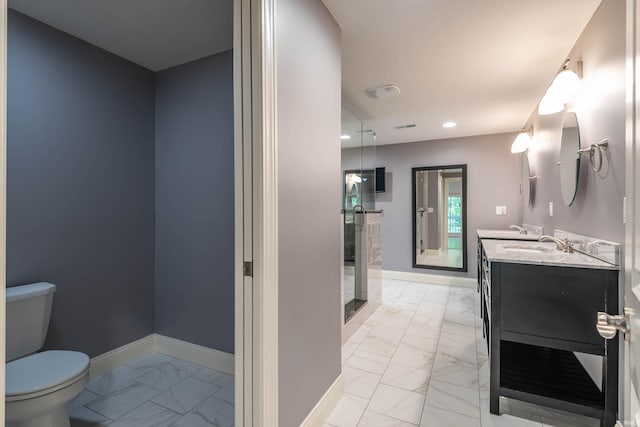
(501, 210)
(550, 208)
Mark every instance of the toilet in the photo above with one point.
(38, 385)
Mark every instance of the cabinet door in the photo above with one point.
(552, 302)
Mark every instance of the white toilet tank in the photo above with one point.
(28, 314)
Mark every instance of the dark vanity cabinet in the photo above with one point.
(535, 318)
(497, 235)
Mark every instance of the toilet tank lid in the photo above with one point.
(17, 293)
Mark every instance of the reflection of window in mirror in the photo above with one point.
(359, 189)
(439, 217)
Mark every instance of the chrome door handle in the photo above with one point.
(608, 325)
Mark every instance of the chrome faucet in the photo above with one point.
(562, 245)
(517, 227)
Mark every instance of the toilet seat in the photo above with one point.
(44, 373)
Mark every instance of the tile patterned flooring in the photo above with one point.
(420, 360)
(156, 391)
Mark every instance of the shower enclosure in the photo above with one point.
(359, 189)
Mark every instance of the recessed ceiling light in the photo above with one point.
(345, 137)
(449, 124)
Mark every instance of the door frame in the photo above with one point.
(3, 197)
(256, 204)
(632, 131)
(255, 163)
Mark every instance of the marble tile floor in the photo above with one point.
(420, 360)
(156, 391)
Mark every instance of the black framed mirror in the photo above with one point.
(439, 217)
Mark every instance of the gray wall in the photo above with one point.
(493, 176)
(80, 191)
(194, 296)
(310, 190)
(597, 210)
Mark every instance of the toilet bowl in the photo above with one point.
(38, 388)
(38, 385)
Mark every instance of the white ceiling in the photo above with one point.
(155, 34)
(483, 64)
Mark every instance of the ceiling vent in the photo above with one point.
(412, 125)
(386, 91)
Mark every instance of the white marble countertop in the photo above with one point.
(505, 235)
(539, 253)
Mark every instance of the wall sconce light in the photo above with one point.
(521, 143)
(549, 105)
(563, 90)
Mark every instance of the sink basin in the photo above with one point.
(528, 248)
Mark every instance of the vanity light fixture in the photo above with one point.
(345, 137)
(567, 85)
(549, 105)
(521, 143)
(563, 90)
(449, 124)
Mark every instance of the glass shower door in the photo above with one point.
(358, 179)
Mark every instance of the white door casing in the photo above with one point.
(631, 367)
(256, 207)
(250, 17)
(3, 196)
(242, 350)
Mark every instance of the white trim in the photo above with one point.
(121, 355)
(193, 353)
(265, 214)
(319, 414)
(631, 225)
(239, 38)
(3, 193)
(203, 356)
(256, 162)
(435, 279)
(244, 75)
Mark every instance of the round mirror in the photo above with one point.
(569, 158)
(528, 181)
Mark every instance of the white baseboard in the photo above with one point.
(207, 357)
(319, 414)
(121, 355)
(193, 353)
(436, 279)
